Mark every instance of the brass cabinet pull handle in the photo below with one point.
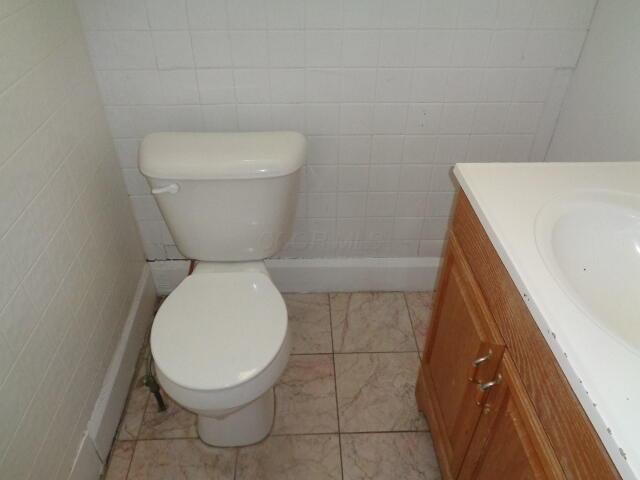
(486, 386)
(480, 360)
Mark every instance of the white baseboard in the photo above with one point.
(113, 395)
(87, 465)
(354, 274)
(326, 274)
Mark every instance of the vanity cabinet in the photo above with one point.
(496, 400)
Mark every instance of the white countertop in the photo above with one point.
(604, 374)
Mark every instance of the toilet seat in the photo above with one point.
(216, 331)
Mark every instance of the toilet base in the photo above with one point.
(245, 426)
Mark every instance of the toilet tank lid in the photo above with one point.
(209, 156)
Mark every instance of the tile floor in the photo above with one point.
(345, 406)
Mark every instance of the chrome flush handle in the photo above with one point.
(171, 188)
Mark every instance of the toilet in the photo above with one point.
(220, 340)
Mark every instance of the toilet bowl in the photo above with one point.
(220, 341)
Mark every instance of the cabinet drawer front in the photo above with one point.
(462, 350)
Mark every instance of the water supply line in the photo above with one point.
(152, 384)
(149, 379)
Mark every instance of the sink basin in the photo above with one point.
(590, 243)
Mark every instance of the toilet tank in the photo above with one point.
(225, 196)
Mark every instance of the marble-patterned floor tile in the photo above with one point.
(371, 322)
(183, 459)
(306, 396)
(174, 422)
(309, 321)
(384, 456)
(419, 304)
(297, 457)
(136, 403)
(121, 454)
(376, 392)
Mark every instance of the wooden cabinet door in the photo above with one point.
(509, 441)
(460, 333)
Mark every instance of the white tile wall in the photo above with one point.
(390, 94)
(600, 119)
(69, 251)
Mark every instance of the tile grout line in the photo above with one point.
(415, 337)
(413, 330)
(362, 432)
(141, 356)
(235, 463)
(165, 439)
(135, 446)
(335, 386)
(144, 411)
(377, 353)
(352, 353)
(309, 434)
